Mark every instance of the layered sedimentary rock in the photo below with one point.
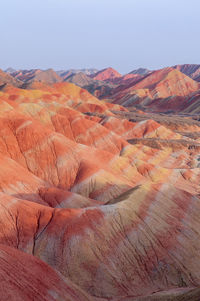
(47, 76)
(191, 70)
(159, 84)
(65, 73)
(136, 244)
(169, 89)
(106, 74)
(7, 79)
(104, 201)
(23, 278)
(96, 87)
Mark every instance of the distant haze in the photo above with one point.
(123, 34)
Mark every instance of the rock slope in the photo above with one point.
(102, 200)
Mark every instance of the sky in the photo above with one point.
(123, 34)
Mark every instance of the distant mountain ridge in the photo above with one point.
(48, 76)
(106, 74)
(7, 79)
(191, 70)
(138, 87)
(160, 84)
(96, 87)
(10, 70)
(140, 71)
(65, 73)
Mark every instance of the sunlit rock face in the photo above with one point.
(99, 201)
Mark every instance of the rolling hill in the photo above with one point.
(99, 200)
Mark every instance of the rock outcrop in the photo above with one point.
(97, 202)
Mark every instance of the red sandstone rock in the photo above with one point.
(106, 74)
(159, 84)
(119, 219)
(24, 277)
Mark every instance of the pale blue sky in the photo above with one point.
(124, 34)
